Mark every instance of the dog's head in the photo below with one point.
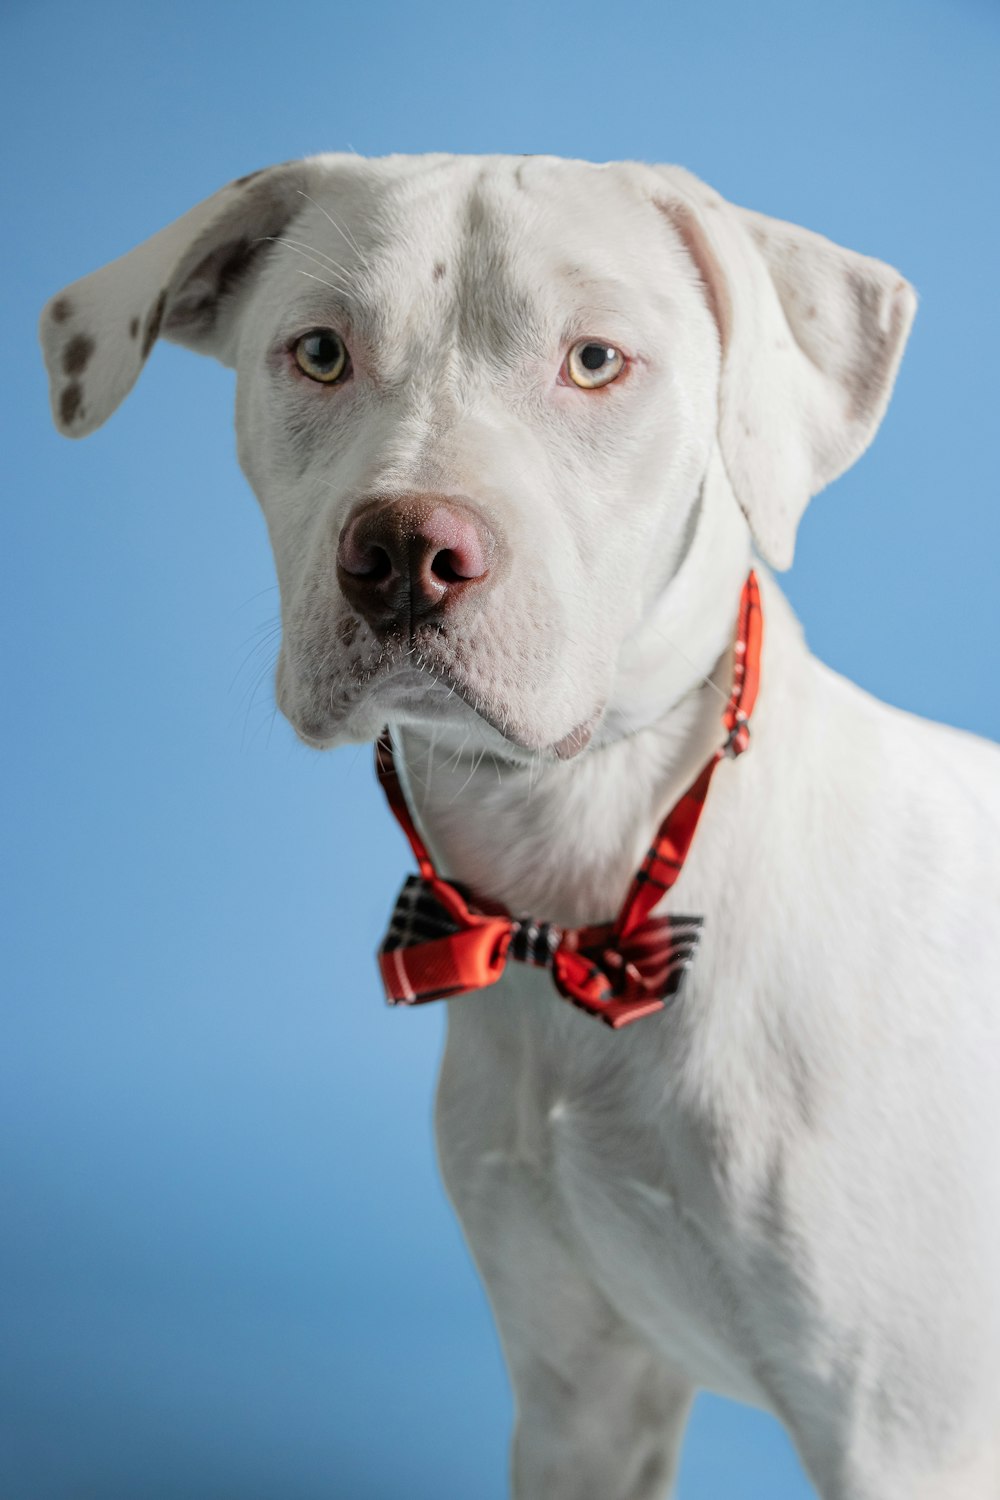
(478, 398)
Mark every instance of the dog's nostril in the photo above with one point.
(376, 565)
(446, 567)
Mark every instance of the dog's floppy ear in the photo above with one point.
(811, 338)
(181, 283)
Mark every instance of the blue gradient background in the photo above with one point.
(228, 1269)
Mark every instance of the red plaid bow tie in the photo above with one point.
(442, 940)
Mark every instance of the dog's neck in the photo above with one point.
(561, 840)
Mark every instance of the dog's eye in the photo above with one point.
(322, 355)
(590, 364)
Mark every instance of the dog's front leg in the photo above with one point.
(598, 1415)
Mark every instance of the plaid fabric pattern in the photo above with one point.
(417, 917)
(441, 941)
(663, 957)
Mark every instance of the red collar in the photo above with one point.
(443, 940)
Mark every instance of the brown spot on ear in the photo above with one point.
(76, 354)
(153, 324)
(61, 309)
(810, 312)
(439, 269)
(133, 329)
(70, 402)
(252, 176)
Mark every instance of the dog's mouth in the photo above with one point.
(415, 694)
(565, 748)
(408, 684)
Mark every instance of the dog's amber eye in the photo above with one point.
(591, 363)
(322, 355)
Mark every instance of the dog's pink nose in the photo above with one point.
(400, 561)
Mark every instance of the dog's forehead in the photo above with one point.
(542, 221)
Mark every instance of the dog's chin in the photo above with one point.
(450, 710)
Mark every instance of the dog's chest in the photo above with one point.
(652, 1223)
(635, 1184)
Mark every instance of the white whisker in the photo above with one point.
(341, 286)
(319, 279)
(302, 247)
(343, 232)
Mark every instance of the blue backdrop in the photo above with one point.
(227, 1265)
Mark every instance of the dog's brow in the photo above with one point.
(356, 315)
(347, 304)
(331, 267)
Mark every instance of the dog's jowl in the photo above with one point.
(530, 436)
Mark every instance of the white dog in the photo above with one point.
(515, 425)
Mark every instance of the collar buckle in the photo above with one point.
(738, 738)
